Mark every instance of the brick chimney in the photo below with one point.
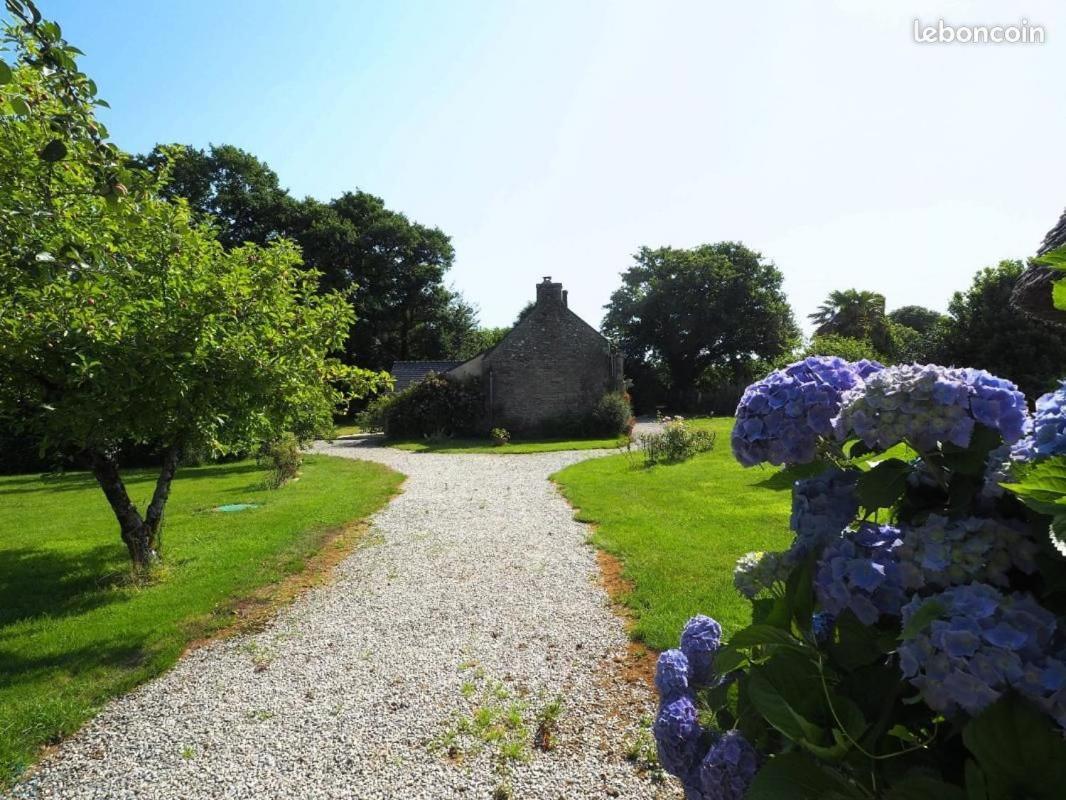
(548, 292)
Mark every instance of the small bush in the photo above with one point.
(612, 416)
(676, 442)
(372, 418)
(500, 436)
(435, 406)
(282, 457)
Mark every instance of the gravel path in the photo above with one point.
(422, 671)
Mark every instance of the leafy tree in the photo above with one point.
(830, 344)
(986, 332)
(855, 314)
(394, 267)
(716, 305)
(917, 318)
(478, 340)
(124, 322)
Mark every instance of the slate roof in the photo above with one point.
(407, 372)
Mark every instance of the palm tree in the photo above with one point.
(852, 313)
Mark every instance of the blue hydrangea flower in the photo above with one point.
(756, 573)
(861, 572)
(942, 552)
(1046, 436)
(822, 624)
(780, 418)
(928, 404)
(700, 641)
(671, 675)
(677, 735)
(728, 768)
(976, 648)
(1044, 682)
(822, 507)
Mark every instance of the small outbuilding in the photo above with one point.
(551, 368)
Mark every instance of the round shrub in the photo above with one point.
(435, 406)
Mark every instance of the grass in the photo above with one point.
(513, 448)
(679, 529)
(75, 630)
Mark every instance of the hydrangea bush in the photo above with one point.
(911, 643)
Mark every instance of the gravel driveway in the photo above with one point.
(424, 670)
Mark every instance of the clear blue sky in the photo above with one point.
(558, 137)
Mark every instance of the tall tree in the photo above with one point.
(855, 314)
(124, 322)
(716, 305)
(394, 267)
(985, 331)
(919, 318)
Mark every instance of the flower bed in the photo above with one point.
(911, 642)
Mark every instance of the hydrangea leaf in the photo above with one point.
(924, 787)
(1043, 486)
(883, 485)
(1056, 259)
(857, 645)
(5, 73)
(799, 777)
(1058, 294)
(930, 610)
(755, 635)
(1018, 751)
(787, 691)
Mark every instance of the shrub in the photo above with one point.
(435, 406)
(282, 457)
(676, 442)
(372, 418)
(612, 416)
(500, 437)
(911, 642)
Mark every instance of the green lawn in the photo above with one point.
(680, 528)
(514, 448)
(74, 631)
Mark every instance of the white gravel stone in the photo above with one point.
(477, 561)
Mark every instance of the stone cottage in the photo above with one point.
(551, 366)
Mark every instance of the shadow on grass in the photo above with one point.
(78, 481)
(41, 581)
(784, 478)
(16, 668)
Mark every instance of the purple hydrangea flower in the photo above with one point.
(677, 735)
(700, 641)
(756, 573)
(728, 768)
(977, 648)
(942, 553)
(822, 507)
(928, 404)
(780, 418)
(861, 572)
(671, 675)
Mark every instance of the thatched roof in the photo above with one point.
(1032, 294)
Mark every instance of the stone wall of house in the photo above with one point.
(552, 365)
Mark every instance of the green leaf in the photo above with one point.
(755, 635)
(972, 460)
(54, 151)
(18, 105)
(883, 485)
(787, 691)
(975, 782)
(1058, 294)
(1056, 259)
(927, 612)
(1019, 751)
(5, 73)
(1043, 487)
(1058, 531)
(924, 787)
(797, 776)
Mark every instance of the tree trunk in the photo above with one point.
(140, 534)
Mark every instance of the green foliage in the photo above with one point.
(856, 315)
(499, 437)
(282, 457)
(1042, 487)
(372, 418)
(688, 310)
(918, 318)
(1056, 259)
(434, 406)
(831, 344)
(75, 631)
(392, 267)
(987, 332)
(612, 416)
(676, 442)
